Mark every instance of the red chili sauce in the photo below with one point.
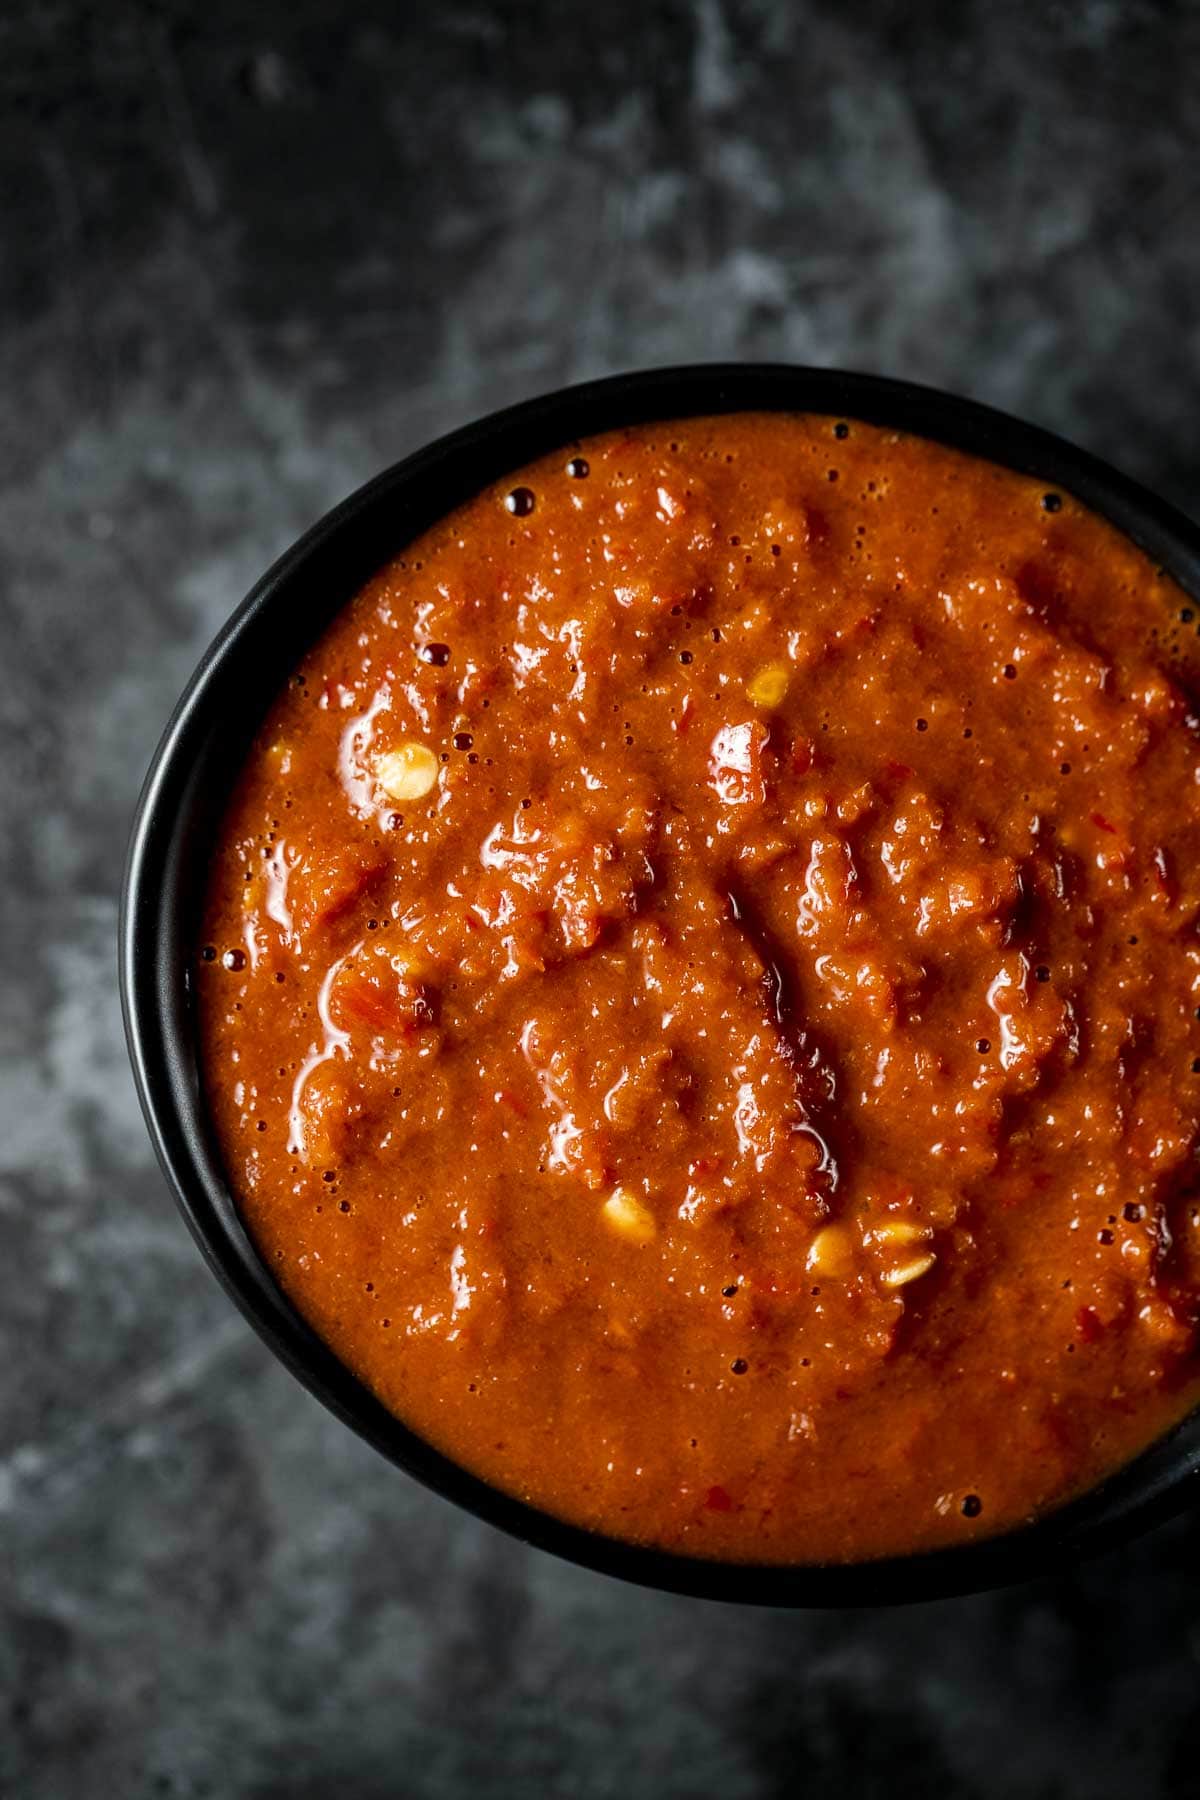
(699, 990)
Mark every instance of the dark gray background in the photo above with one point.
(250, 254)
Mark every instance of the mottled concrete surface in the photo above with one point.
(249, 255)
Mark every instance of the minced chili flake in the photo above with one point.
(723, 966)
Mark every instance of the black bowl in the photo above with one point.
(181, 806)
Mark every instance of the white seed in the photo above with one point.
(909, 1271)
(900, 1231)
(627, 1216)
(831, 1252)
(407, 773)
(768, 687)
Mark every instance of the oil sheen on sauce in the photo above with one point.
(699, 990)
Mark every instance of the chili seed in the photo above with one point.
(909, 1271)
(408, 772)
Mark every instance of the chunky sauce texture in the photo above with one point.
(699, 990)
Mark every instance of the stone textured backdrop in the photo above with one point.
(249, 255)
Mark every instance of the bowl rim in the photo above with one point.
(208, 730)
